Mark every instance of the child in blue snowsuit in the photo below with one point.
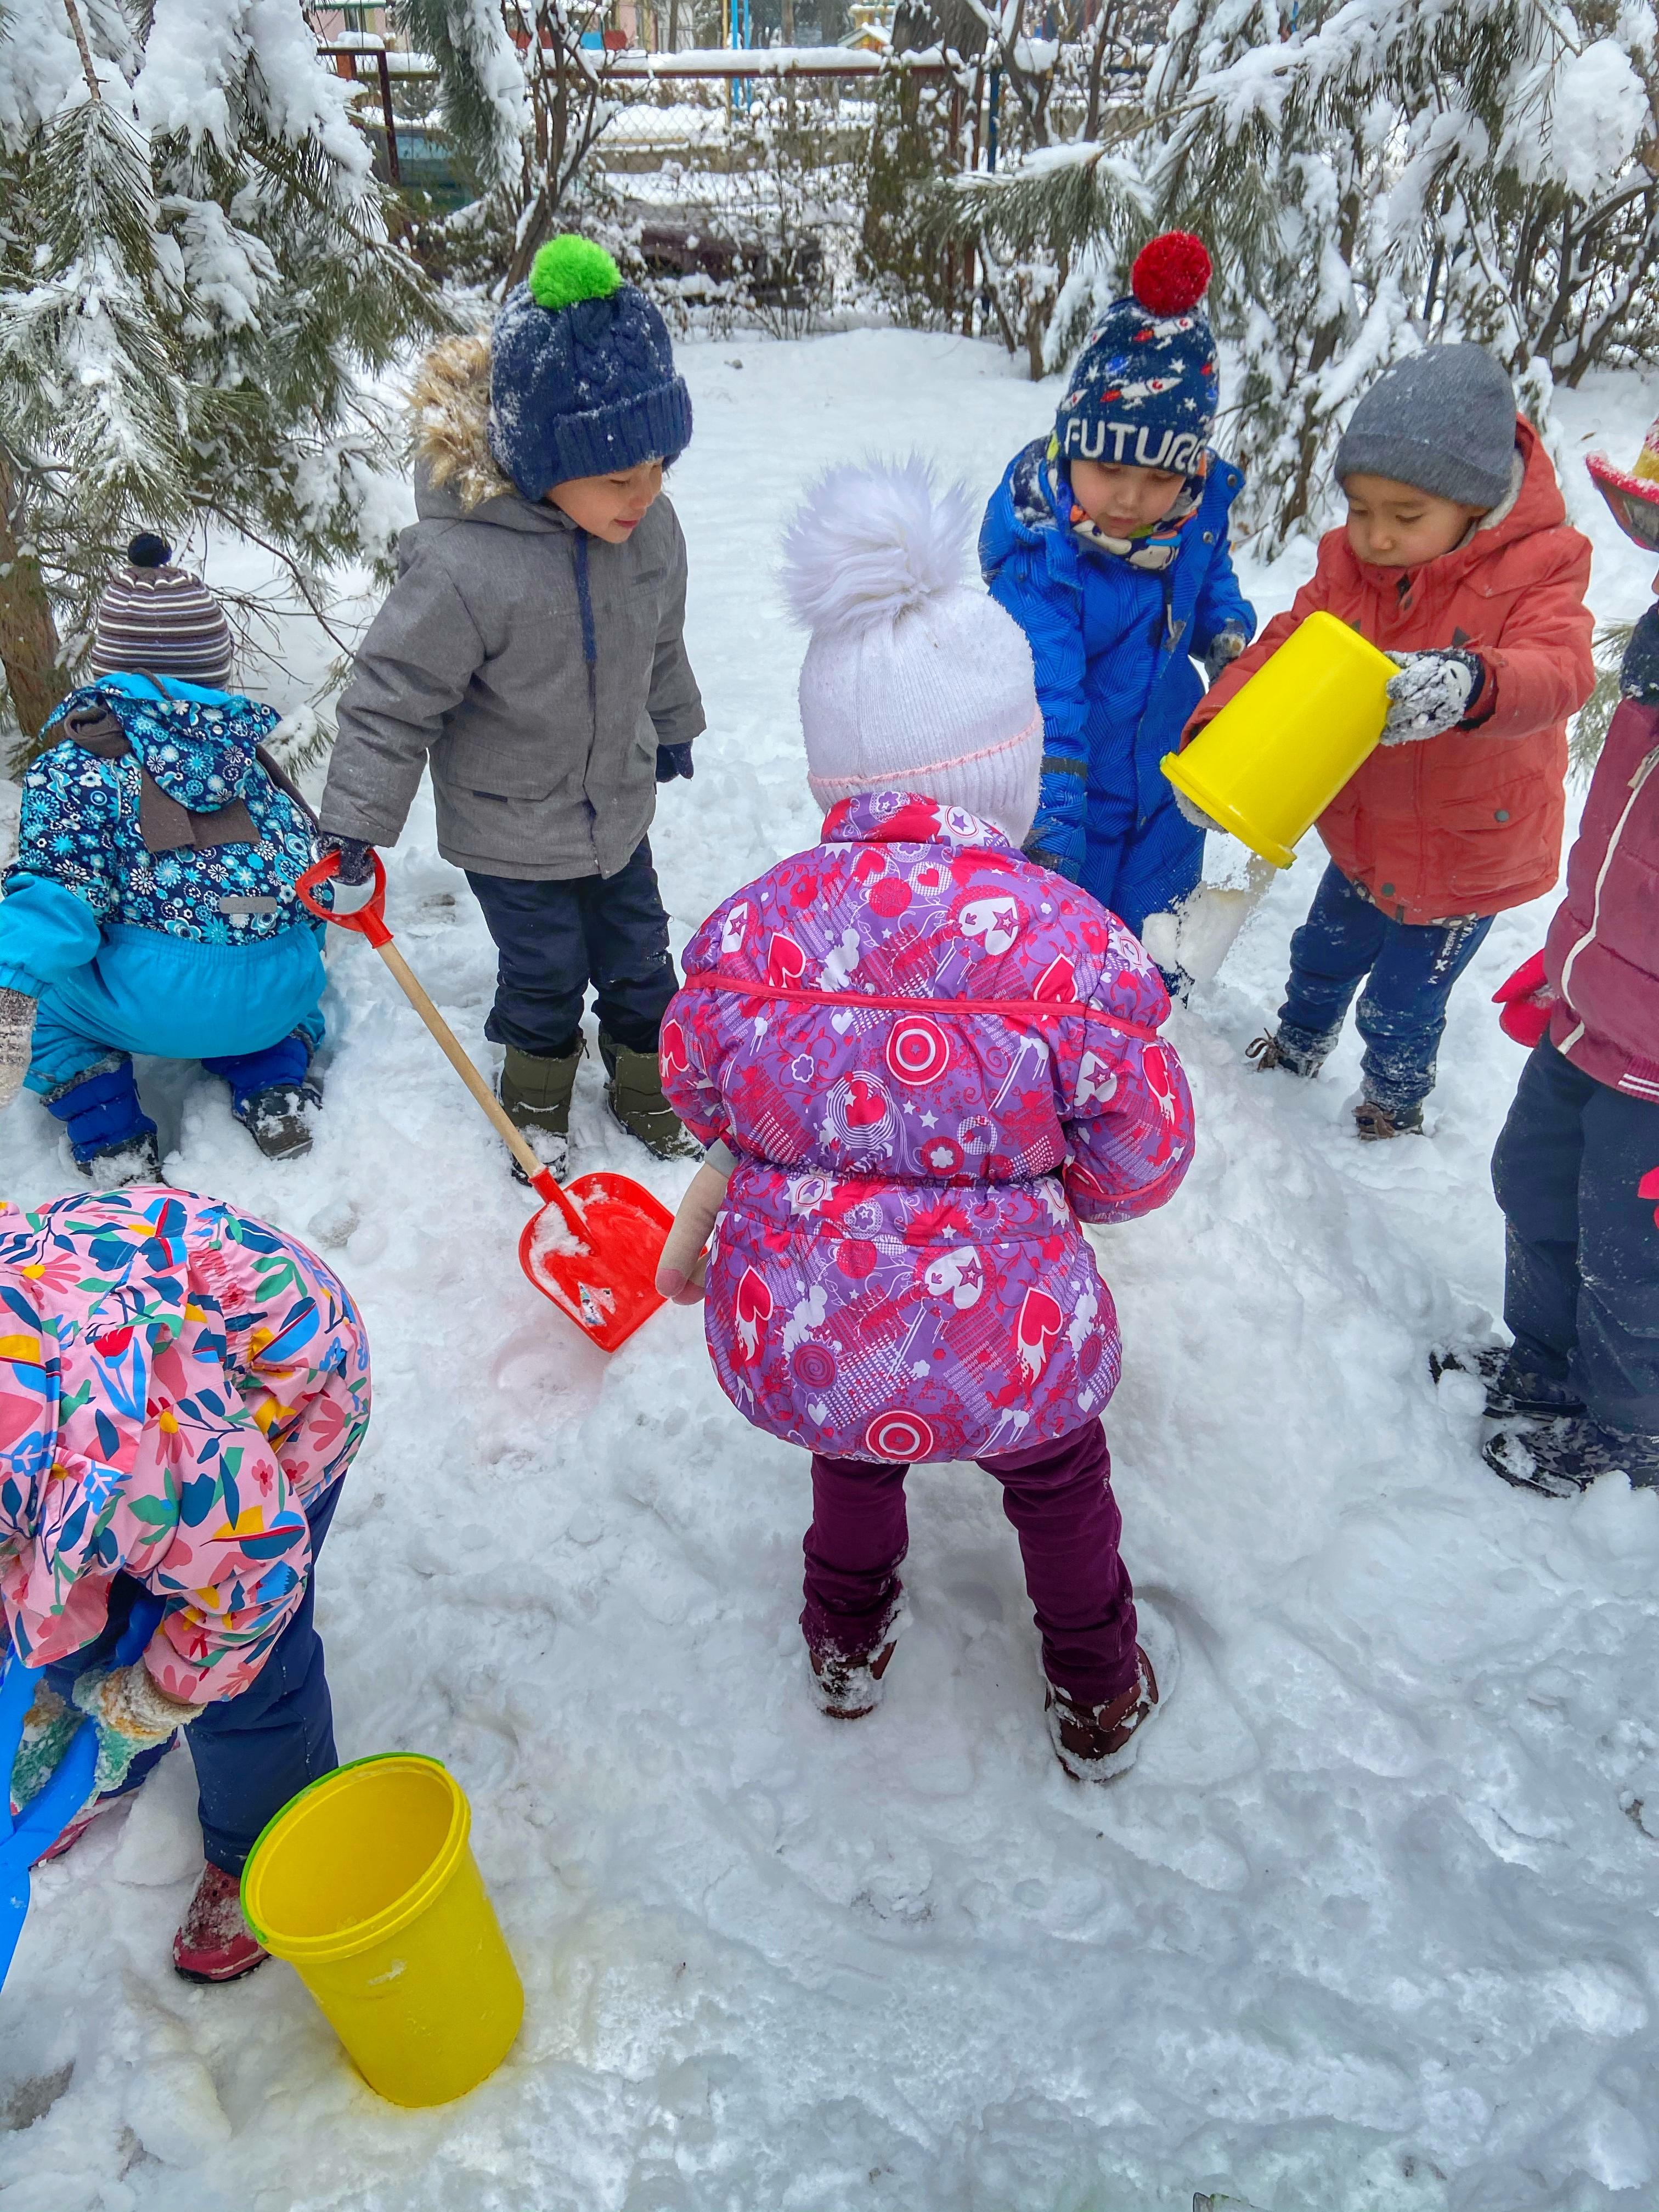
(1108, 544)
(151, 906)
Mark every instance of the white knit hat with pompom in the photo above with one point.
(913, 680)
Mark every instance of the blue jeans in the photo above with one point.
(254, 1751)
(556, 939)
(1412, 968)
(1581, 1276)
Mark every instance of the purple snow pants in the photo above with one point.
(1059, 1497)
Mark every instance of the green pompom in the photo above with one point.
(570, 268)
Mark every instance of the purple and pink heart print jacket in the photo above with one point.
(931, 1057)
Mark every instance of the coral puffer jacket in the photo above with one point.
(1471, 822)
(931, 1056)
(1602, 955)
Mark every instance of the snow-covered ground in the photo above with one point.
(1372, 1923)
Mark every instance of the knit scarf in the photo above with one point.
(1154, 549)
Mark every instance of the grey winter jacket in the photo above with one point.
(539, 668)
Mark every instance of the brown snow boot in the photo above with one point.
(1275, 1051)
(634, 1095)
(1373, 1123)
(536, 1091)
(847, 1689)
(1097, 1743)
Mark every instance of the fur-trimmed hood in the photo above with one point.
(528, 664)
(455, 472)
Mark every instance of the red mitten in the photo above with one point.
(1527, 1003)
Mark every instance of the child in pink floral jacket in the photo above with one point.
(918, 1059)
(181, 1390)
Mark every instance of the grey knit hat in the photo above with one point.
(1443, 421)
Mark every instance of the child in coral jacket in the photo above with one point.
(1458, 561)
(920, 1058)
(1576, 1167)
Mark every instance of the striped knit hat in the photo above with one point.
(157, 620)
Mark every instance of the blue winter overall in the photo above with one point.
(1112, 647)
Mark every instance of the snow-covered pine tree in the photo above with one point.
(1380, 171)
(1372, 174)
(523, 103)
(196, 282)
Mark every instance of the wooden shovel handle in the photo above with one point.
(450, 1045)
(369, 922)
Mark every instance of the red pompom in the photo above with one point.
(1171, 273)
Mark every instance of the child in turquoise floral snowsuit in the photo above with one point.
(151, 906)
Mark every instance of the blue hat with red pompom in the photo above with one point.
(1142, 393)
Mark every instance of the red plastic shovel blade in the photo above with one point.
(605, 1279)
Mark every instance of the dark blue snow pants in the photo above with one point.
(556, 939)
(1581, 1279)
(1133, 866)
(254, 1751)
(1410, 968)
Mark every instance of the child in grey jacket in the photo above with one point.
(532, 649)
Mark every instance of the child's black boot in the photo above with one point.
(1374, 1122)
(278, 1118)
(1510, 1389)
(1563, 1456)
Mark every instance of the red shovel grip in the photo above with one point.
(368, 921)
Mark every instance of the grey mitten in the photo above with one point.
(16, 1032)
(1432, 693)
(1224, 648)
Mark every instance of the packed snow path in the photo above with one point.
(1372, 1924)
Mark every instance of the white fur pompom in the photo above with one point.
(872, 542)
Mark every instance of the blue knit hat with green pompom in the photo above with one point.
(581, 374)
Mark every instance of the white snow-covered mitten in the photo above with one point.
(16, 1035)
(1225, 648)
(131, 1712)
(1432, 693)
(48, 1727)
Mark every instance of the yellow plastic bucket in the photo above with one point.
(1287, 741)
(367, 1885)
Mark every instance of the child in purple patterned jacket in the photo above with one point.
(919, 1059)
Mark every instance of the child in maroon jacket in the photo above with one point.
(1576, 1167)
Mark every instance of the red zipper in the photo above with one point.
(1037, 1009)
